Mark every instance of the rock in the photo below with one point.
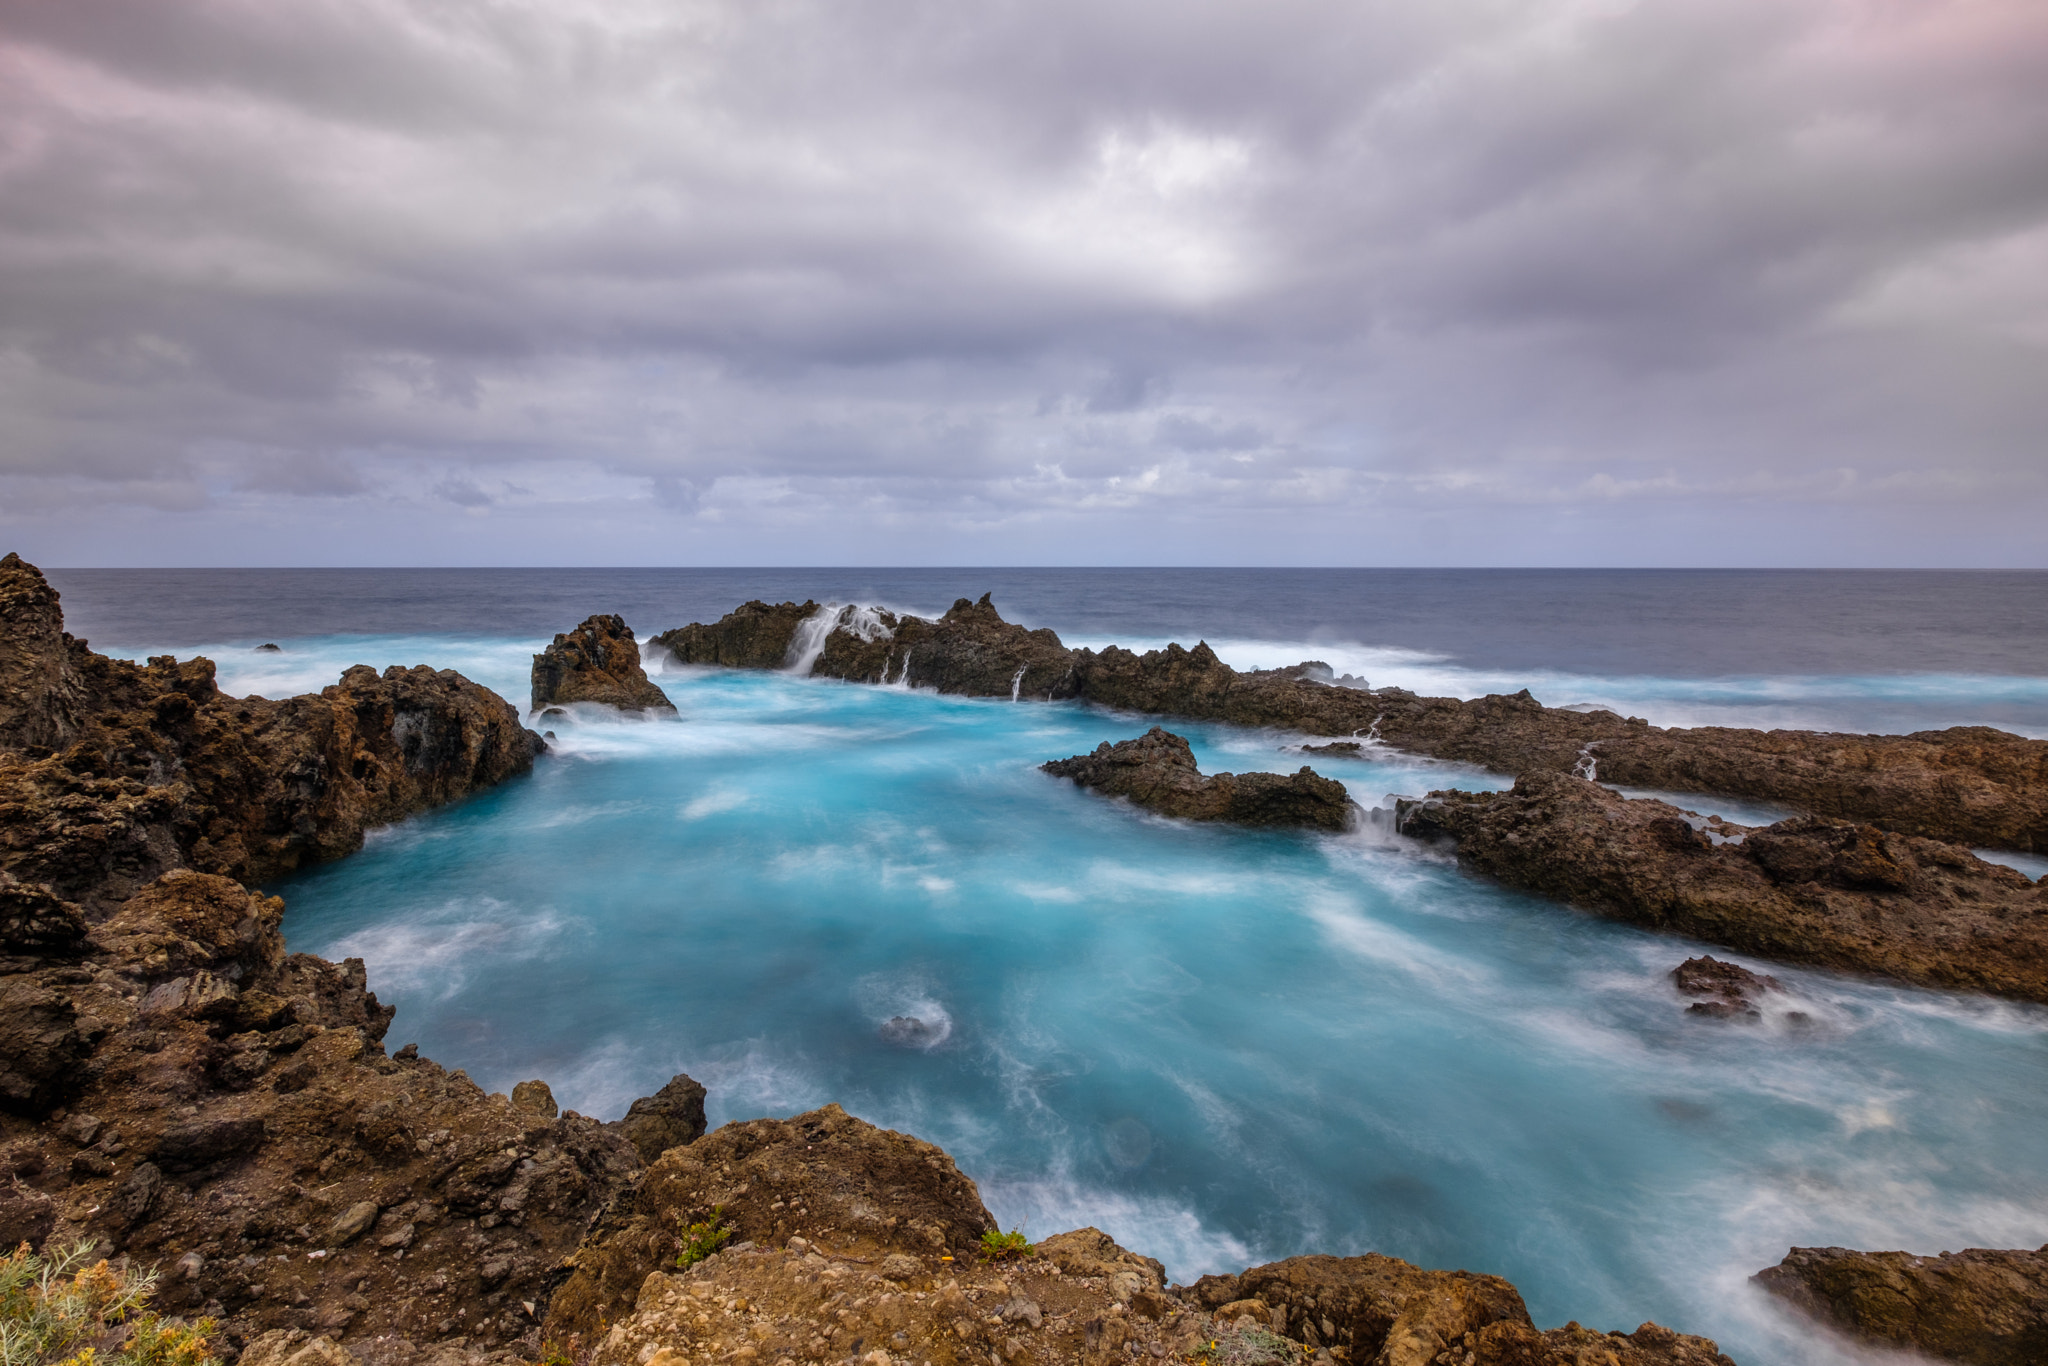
(1093, 1253)
(908, 1031)
(535, 1098)
(353, 1222)
(42, 1044)
(80, 1128)
(1349, 749)
(269, 648)
(891, 1192)
(898, 1266)
(27, 1215)
(670, 1118)
(1731, 991)
(292, 1347)
(1984, 1307)
(43, 698)
(755, 635)
(599, 661)
(1157, 771)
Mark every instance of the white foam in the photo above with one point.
(433, 954)
(715, 802)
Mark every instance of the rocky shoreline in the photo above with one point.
(1158, 772)
(178, 1088)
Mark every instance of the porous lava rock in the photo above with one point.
(1984, 1307)
(1157, 771)
(669, 1118)
(1807, 890)
(970, 651)
(599, 662)
(755, 635)
(819, 1175)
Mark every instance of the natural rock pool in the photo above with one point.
(1221, 1046)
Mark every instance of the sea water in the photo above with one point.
(1221, 1046)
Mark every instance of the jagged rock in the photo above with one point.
(26, 1215)
(826, 1170)
(1968, 785)
(755, 635)
(669, 1118)
(43, 701)
(293, 1347)
(599, 661)
(1157, 771)
(1730, 990)
(1984, 1307)
(353, 1222)
(1806, 890)
(535, 1098)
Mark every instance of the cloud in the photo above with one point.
(1737, 281)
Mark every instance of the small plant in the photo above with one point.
(700, 1240)
(997, 1245)
(1247, 1346)
(58, 1309)
(568, 1353)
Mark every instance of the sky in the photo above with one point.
(903, 282)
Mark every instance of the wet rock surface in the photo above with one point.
(1807, 890)
(599, 661)
(1157, 771)
(1988, 1308)
(1727, 991)
(1968, 785)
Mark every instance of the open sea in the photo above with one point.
(1222, 1047)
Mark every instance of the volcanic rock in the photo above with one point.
(669, 1118)
(1157, 771)
(535, 1098)
(599, 661)
(1807, 890)
(768, 1179)
(1730, 990)
(908, 1031)
(756, 635)
(1988, 1308)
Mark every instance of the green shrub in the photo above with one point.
(700, 1240)
(997, 1245)
(55, 1310)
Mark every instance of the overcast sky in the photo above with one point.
(1069, 281)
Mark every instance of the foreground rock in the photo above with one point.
(1967, 785)
(1726, 991)
(599, 661)
(855, 1243)
(1808, 890)
(1157, 771)
(1988, 1308)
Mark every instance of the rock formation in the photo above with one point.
(849, 1242)
(1967, 785)
(599, 661)
(1987, 1308)
(1807, 890)
(1157, 771)
(1727, 991)
(756, 635)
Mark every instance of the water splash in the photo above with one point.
(1017, 685)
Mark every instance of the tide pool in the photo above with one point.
(1220, 1046)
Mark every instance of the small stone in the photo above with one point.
(899, 1266)
(352, 1222)
(80, 1128)
(190, 1265)
(398, 1237)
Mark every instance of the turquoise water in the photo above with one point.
(1221, 1046)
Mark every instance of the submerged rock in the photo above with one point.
(599, 661)
(1987, 1308)
(1157, 771)
(1806, 890)
(909, 1031)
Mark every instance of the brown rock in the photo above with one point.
(1988, 1308)
(599, 661)
(1806, 890)
(1157, 771)
(756, 635)
(670, 1118)
(535, 1098)
(1731, 990)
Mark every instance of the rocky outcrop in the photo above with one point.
(1808, 890)
(599, 661)
(1967, 785)
(669, 1118)
(42, 699)
(1987, 1308)
(1725, 991)
(1384, 1312)
(756, 635)
(823, 1175)
(1157, 771)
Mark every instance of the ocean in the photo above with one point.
(1220, 1046)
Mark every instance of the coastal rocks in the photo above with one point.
(1157, 771)
(158, 770)
(755, 635)
(909, 1031)
(825, 1176)
(970, 652)
(535, 1098)
(1730, 991)
(599, 661)
(1807, 890)
(669, 1118)
(1987, 1308)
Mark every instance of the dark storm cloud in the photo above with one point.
(1734, 280)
